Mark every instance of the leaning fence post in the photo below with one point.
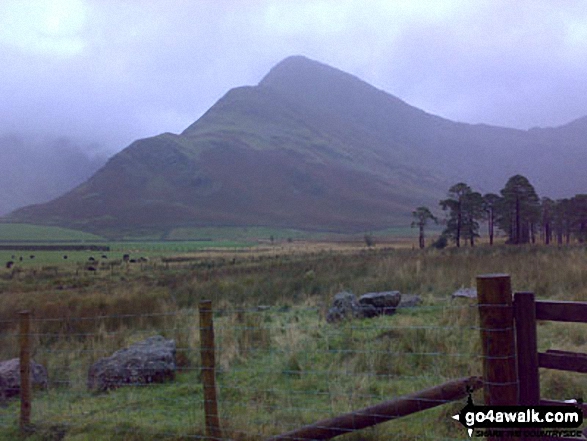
(497, 339)
(208, 371)
(25, 370)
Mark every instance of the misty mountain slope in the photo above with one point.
(310, 147)
(34, 170)
(251, 160)
(483, 155)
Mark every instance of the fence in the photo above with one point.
(510, 347)
(276, 369)
(253, 373)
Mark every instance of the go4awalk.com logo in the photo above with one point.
(518, 421)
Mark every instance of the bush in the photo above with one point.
(369, 241)
(440, 243)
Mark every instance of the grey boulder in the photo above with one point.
(410, 301)
(10, 377)
(149, 361)
(469, 293)
(383, 302)
(344, 307)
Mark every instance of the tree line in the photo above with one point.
(517, 211)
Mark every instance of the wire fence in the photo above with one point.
(276, 369)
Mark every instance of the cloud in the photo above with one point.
(110, 71)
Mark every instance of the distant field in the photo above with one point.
(117, 250)
(237, 233)
(203, 242)
(281, 234)
(37, 233)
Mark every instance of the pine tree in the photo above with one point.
(422, 215)
(465, 209)
(520, 211)
(491, 204)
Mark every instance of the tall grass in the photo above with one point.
(281, 365)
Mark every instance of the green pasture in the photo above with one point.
(38, 233)
(135, 250)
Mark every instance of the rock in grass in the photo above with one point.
(470, 293)
(410, 301)
(346, 307)
(384, 303)
(149, 361)
(10, 377)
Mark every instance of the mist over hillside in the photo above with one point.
(35, 170)
(310, 147)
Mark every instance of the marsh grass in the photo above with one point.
(280, 364)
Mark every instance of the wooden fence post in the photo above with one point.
(25, 371)
(213, 431)
(497, 340)
(527, 348)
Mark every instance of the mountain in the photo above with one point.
(309, 147)
(34, 170)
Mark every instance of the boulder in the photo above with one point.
(149, 361)
(344, 306)
(470, 293)
(410, 301)
(10, 377)
(383, 302)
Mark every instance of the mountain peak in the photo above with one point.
(299, 70)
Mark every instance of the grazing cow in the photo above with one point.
(91, 259)
(9, 264)
(133, 260)
(20, 258)
(32, 256)
(65, 256)
(126, 257)
(91, 268)
(104, 256)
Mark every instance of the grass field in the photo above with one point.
(282, 365)
(214, 241)
(36, 233)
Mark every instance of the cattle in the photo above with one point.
(9, 264)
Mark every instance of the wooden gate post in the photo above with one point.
(527, 348)
(497, 339)
(208, 371)
(25, 371)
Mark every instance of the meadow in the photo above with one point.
(280, 363)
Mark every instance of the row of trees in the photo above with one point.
(517, 211)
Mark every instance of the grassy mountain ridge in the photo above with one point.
(310, 147)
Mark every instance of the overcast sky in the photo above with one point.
(111, 71)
